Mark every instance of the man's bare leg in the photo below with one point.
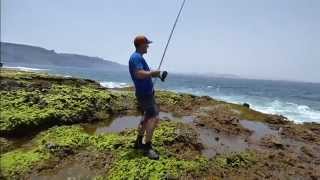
(148, 150)
(150, 126)
(141, 131)
(142, 128)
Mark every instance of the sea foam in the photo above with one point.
(25, 68)
(111, 84)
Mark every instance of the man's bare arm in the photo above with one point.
(142, 74)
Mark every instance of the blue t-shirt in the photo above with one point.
(143, 86)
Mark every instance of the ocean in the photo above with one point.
(298, 101)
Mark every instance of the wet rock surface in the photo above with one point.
(308, 132)
(221, 118)
(83, 165)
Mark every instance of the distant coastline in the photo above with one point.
(24, 55)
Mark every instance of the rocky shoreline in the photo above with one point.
(47, 121)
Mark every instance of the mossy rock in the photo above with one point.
(235, 160)
(64, 101)
(18, 162)
(127, 162)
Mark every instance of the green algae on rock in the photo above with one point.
(72, 136)
(130, 163)
(15, 163)
(126, 159)
(235, 160)
(64, 101)
(143, 168)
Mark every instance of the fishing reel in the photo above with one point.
(163, 75)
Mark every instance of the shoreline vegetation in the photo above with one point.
(44, 131)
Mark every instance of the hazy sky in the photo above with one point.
(272, 39)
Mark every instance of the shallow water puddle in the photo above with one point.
(259, 130)
(170, 116)
(127, 122)
(166, 116)
(120, 124)
(112, 126)
(219, 143)
(25, 142)
(187, 119)
(214, 142)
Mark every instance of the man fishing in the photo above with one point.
(142, 77)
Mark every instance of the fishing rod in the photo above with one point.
(171, 33)
(164, 74)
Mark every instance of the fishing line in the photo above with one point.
(171, 33)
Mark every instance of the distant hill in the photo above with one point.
(19, 54)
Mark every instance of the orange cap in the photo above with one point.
(141, 40)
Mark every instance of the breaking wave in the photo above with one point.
(111, 84)
(298, 113)
(295, 112)
(25, 68)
